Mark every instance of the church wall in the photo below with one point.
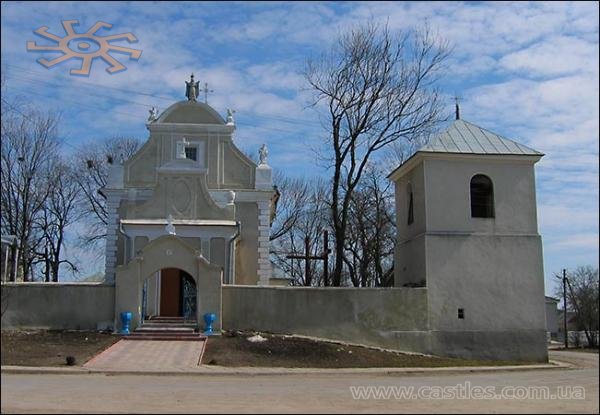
(409, 262)
(246, 264)
(498, 281)
(218, 252)
(448, 195)
(140, 170)
(410, 247)
(66, 306)
(489, 268)
(394, 318)
(238, 170)
(416, 179)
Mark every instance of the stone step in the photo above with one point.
(169, 323)
(163, 337)
(176, 330)
(165, 318)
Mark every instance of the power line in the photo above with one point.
(43, 82)
(171, 99)
(128, 114)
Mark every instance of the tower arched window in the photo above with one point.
(482, 197)
(409, 196)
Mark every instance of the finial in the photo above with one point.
(191, 89)
(457, 107)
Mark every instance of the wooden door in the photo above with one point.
(170, 292)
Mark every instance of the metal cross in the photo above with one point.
(307, 257)
(206, 92)
(457, 106)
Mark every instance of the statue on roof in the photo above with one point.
(191, 89)
(262, 154)
(153, 114)
(230, 113)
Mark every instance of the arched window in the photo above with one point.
(482, 197)
(409, 195)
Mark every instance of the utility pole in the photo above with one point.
(564, 281)
(326, 252)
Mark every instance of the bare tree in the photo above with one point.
(29, 149)
(583, 299)
(305, 213)
(294, 195)
(377, 89)
(91, 163)
(369, 247)
(59, 211)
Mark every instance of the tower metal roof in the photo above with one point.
(466, 138)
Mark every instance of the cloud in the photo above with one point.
(527, 70)
(559, 55)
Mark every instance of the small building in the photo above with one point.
(467, 230)
(552, 323)
(9, 254)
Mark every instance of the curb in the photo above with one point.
(223, 371)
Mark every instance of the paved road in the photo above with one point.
(290, 393)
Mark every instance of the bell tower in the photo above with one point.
(467, 231)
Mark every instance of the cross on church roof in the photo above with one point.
(457, 106)
(206, 92)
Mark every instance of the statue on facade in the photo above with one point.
(262, 154)
(153, 114)
(181, 145)
(170, 228)
(191, 89)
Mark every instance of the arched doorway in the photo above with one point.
(171, 292)
(167, 251)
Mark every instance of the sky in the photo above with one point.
(527, 71)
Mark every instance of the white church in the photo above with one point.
(189, 229)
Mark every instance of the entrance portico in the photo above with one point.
(215, 239)
(167, 251)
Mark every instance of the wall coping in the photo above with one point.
(297, 288)
(56, 284)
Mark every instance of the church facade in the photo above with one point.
(189, 181)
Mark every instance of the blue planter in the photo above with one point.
(125, 320)
(209, 319)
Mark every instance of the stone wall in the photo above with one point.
(394, 318)
(74, 306)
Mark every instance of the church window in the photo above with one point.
(461, 313)
(482, 197)
(191, 153)
(411, 215)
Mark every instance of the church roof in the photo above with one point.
(190, 112)
(466, 138)
(463, 137)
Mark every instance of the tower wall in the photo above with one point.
(491, 269)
